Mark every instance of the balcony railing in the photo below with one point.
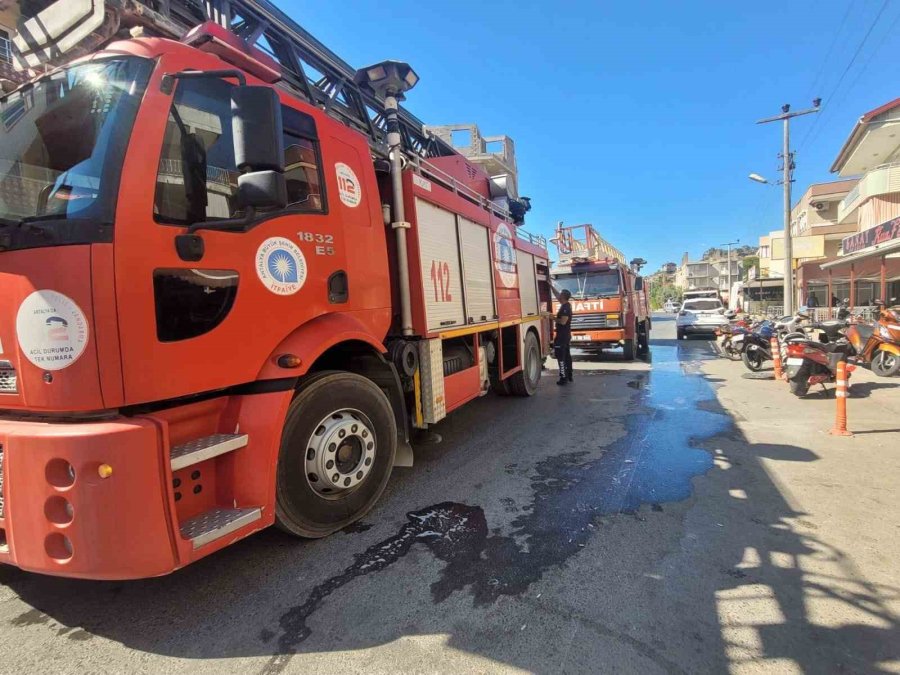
(880, 180)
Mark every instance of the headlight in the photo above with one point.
(612, 323)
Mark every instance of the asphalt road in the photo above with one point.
(625, 523)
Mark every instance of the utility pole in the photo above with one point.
(729, 245)
(788, 167)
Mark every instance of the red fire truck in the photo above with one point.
(609, 303)
(235, 276)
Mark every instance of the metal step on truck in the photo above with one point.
(235, 277)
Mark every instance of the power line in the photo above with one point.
(828, 51)
(837, 105)
(846, 70)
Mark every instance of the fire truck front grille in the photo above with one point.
(588, 321)
(8, 379)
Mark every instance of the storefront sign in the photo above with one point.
(872, 237)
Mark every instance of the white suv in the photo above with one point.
(700, 315)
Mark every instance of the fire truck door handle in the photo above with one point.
(338, 287)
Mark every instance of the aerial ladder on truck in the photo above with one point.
(236, 277)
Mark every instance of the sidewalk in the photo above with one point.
(824, 567)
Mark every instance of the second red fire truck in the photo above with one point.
(609, 302)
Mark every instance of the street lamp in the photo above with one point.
(787, 168)
(758, 178)
(390, 80)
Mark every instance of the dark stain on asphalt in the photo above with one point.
(653, 462)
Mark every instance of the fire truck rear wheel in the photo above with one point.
(337, 452)
(628, 349)
(525, 382)
(643, 338)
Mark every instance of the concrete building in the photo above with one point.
(816, 234)
(868, 262)
(710, 273)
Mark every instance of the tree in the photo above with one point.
(749, 263)
(661, 292)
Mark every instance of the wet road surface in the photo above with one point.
(590, 528)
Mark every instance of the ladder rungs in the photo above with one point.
(201, 449)
(217, 523)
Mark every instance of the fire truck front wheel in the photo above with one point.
(337, 451)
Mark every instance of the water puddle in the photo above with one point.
(652, 463)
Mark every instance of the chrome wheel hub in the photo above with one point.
(340, 453)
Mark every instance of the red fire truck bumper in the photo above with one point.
(597, 338)
(84, 500)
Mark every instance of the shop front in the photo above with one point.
(867, 271)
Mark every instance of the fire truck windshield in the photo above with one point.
(589, 284)
(62, 144)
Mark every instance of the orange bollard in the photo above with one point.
(776, 356)
(841, 388)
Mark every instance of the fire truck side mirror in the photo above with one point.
(257, 129)
(639, 283)
(258, 147)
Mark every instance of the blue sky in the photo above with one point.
(636, 116)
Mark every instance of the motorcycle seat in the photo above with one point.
(837, 347)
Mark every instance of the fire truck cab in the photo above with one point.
(609, 303)
(226, 304)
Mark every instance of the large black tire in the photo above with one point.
(304, 511)
(753, 358)
(525, 382)
(628, 349)
(799, 385)
(680, 333)
(500, 387)
(643, 337)
(885, 364)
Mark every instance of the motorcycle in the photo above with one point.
(811, 362)
(757, 347)
(878, 344)
(728, 339)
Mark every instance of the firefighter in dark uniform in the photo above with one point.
(563, 340)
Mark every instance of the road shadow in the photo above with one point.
(865, 389)
(676, 547)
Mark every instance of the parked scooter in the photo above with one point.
(878, 344)
(728, 338)
(810, 362)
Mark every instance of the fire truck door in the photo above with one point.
(477, 270)
(527, 283)
(439, 258)
(193, 326)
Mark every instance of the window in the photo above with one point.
(197, 175)
(700, 305)
(302, 168)
(589, 284)
(5, 50)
